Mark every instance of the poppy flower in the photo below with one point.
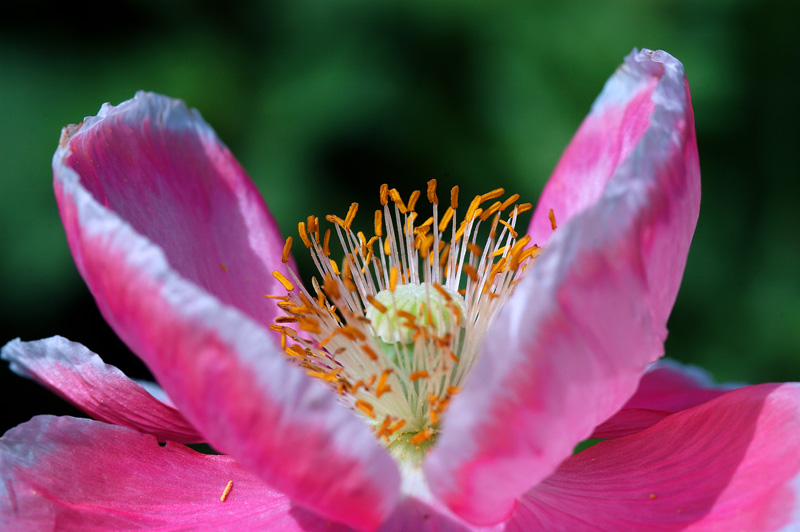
(436, 375)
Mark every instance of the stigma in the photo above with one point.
(395, 326)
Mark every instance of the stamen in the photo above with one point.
(287, 284)
(432, 192)
(412, 201)
(365, 407)
(287, 248)
(226, 491)
(552, 217)
(395, 327)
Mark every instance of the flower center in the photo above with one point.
(397, 328)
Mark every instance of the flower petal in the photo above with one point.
(729, 464)
(569, 348)
(223, 370)
(102, 391)
(78, 474)
(159, 167)
(666, 388)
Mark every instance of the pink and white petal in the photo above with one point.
(160, 168)
(729, 464)
(78, 474)
(223, 370)
(101, 390)
(569, 348)
(639, 134)
(666, 388)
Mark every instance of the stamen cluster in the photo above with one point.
(396, 326)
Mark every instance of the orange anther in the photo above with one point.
(422, 436)
(301, 228)
(287, 284)
(378, 223)
(432, 192)
(552, 217)
(287, 248)
(416, 375)
(454, 197)
(382, 387)
(226, 491)
(509, 201)
(494, 194)
(395, 195)
(377, 304)
(448, 215)
(351, 214)
(365, 407)
(412, 201)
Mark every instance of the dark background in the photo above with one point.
(323, 101)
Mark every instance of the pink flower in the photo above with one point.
(454, 411)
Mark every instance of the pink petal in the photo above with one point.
(222, 369)
(102, 391)
(78, 474)
(569, 348)
(666, 388)
(729, 464)
(162, 170)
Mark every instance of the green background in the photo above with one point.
(323, 101)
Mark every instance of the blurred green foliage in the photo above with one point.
(323, 101)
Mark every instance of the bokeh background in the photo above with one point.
(323, 101)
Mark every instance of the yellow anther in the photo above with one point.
(473, 206)
(378, 223)
(422, 436)
(516, 252)
(471, 272)
(387, 247)
(226, 491)
(500, 251)
(384, 194)
(365, 407)
(369, 352)
(287, 284)
(474, 249)
(510, 228)
(490, 211)
(287, 249)
(523, 207)
(395, 195)
(412, 201)
(301, 228)
(509, 201)
(448, 215)
(313, 224)
(326, 240)
(392, 278)
(377, 304)
(494, 194)
(332, 218)
(335, 267)
(432, 192)
(351, 214)
(382, 387)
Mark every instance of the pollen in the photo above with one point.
(396, 320)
